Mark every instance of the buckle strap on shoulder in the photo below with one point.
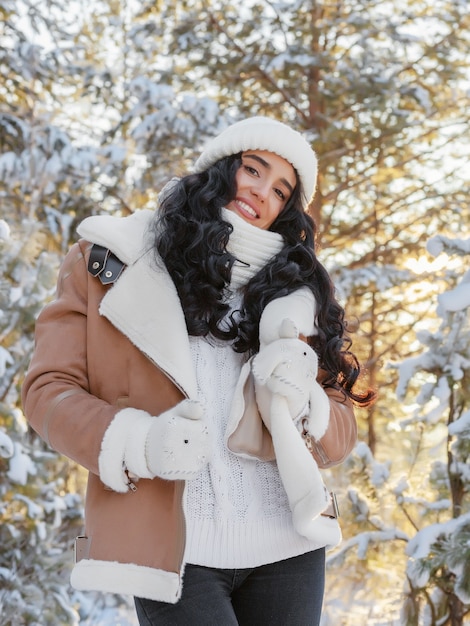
(104, 264)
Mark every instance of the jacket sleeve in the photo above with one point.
(55, 393)
(341, 434)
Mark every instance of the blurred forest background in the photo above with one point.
(102, 101)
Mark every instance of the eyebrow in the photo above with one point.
(267, 165)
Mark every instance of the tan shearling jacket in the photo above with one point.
(100, 349)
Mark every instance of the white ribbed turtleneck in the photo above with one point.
(253, 247)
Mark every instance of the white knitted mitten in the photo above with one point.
(177, 444)
(287, 367)
(288, 316)
(172, 445)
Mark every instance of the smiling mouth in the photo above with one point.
(246, 208)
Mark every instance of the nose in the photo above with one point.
(260, 190)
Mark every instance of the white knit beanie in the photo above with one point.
(264, 133)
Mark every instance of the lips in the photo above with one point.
(246, 208)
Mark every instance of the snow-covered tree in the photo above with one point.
(413, 509)
(35, 515)
(438, 571)
(45, 183)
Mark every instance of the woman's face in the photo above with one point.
(265, 181)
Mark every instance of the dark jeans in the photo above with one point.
(285, 593)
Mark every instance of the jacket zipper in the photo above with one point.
(130, 483)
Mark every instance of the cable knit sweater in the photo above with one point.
(236, 510)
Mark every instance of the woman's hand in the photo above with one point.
(177, 445)
(174, 445)
(287, 367)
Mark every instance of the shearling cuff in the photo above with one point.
(126, 579)
(123, 447)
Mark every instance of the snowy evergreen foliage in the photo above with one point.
(34, 509)
(438, 570)
(428, 509)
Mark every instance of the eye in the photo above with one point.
(251, 170)
(280, 194)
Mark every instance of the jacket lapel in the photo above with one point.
(143, 304)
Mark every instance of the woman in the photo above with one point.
(147, 372)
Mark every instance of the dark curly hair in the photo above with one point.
(191, 238)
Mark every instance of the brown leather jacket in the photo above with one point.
(101, 348)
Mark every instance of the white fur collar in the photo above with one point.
(125, 236)
(143, 304)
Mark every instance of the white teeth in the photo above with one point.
(247, 208)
